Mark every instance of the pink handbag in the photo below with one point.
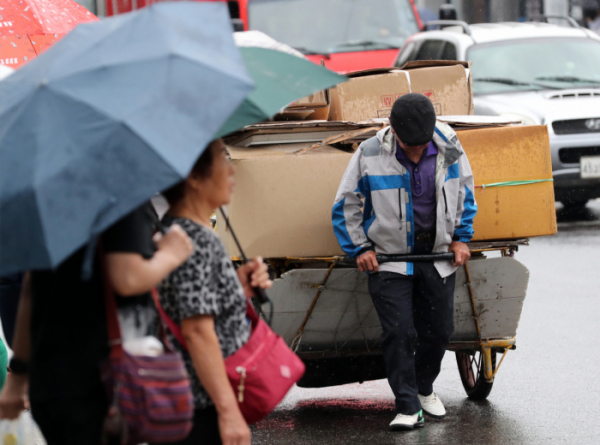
(261, 372)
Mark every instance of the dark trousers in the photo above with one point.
(205, 430)
(72, 421)
(10, 290)
(419, 306)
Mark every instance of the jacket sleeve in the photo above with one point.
(346, 214)
(467, 207)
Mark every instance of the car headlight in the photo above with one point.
(525, 120)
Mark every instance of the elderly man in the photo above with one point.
(417, 186)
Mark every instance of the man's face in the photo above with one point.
(409, 147)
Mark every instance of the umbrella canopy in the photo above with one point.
(29, 27)
(5, 71)
(113, 113)
(280, 79)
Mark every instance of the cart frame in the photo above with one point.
(487, 367)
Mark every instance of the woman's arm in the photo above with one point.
(131, 274)
(203, 344)
(13, 398)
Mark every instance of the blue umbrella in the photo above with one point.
(113, 113)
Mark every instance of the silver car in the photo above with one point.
(539, 73)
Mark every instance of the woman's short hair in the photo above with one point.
(202, 169)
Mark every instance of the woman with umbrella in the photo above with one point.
(60, 338)
(207, 298)
(118, 111)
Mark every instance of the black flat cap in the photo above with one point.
(413, 119)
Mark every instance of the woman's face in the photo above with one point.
(218, 187)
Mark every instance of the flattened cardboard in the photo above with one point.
(371, 93)
(477, 121)
(269, 133)
(517, 153)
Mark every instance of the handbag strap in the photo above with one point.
(173, 327)
(176, 330)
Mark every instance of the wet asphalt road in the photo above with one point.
(546, 392)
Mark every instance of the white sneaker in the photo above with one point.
(404, 422)
(432, 405)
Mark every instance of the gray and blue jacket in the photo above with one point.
(373, 206)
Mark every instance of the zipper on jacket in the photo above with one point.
(445, 200)
(400, 202)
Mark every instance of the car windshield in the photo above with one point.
(535, 64)
(328, 26)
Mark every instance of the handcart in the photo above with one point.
(324, 312)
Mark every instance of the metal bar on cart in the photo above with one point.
(296, 342)
(497, 343)
(474, 247)
(472, 296)
(409, 258)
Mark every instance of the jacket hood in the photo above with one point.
(444, 138)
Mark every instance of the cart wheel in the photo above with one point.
(470, 368)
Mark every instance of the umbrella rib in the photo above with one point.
(35, 11)
(19, 109)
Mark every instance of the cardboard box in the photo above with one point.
(370, 94)
(282, 202)
(318, 99)
(313, 107)
(515, 153)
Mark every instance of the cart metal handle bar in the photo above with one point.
(410, 258)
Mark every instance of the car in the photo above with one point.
(539, 73)
(345, 35)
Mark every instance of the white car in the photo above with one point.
(540, 73)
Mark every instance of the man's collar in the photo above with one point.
(431, 150)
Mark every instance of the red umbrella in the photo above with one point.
(28, 27)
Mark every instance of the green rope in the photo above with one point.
(512, 183)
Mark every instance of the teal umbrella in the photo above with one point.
(279, 79)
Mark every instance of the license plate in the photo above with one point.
(590, 167)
